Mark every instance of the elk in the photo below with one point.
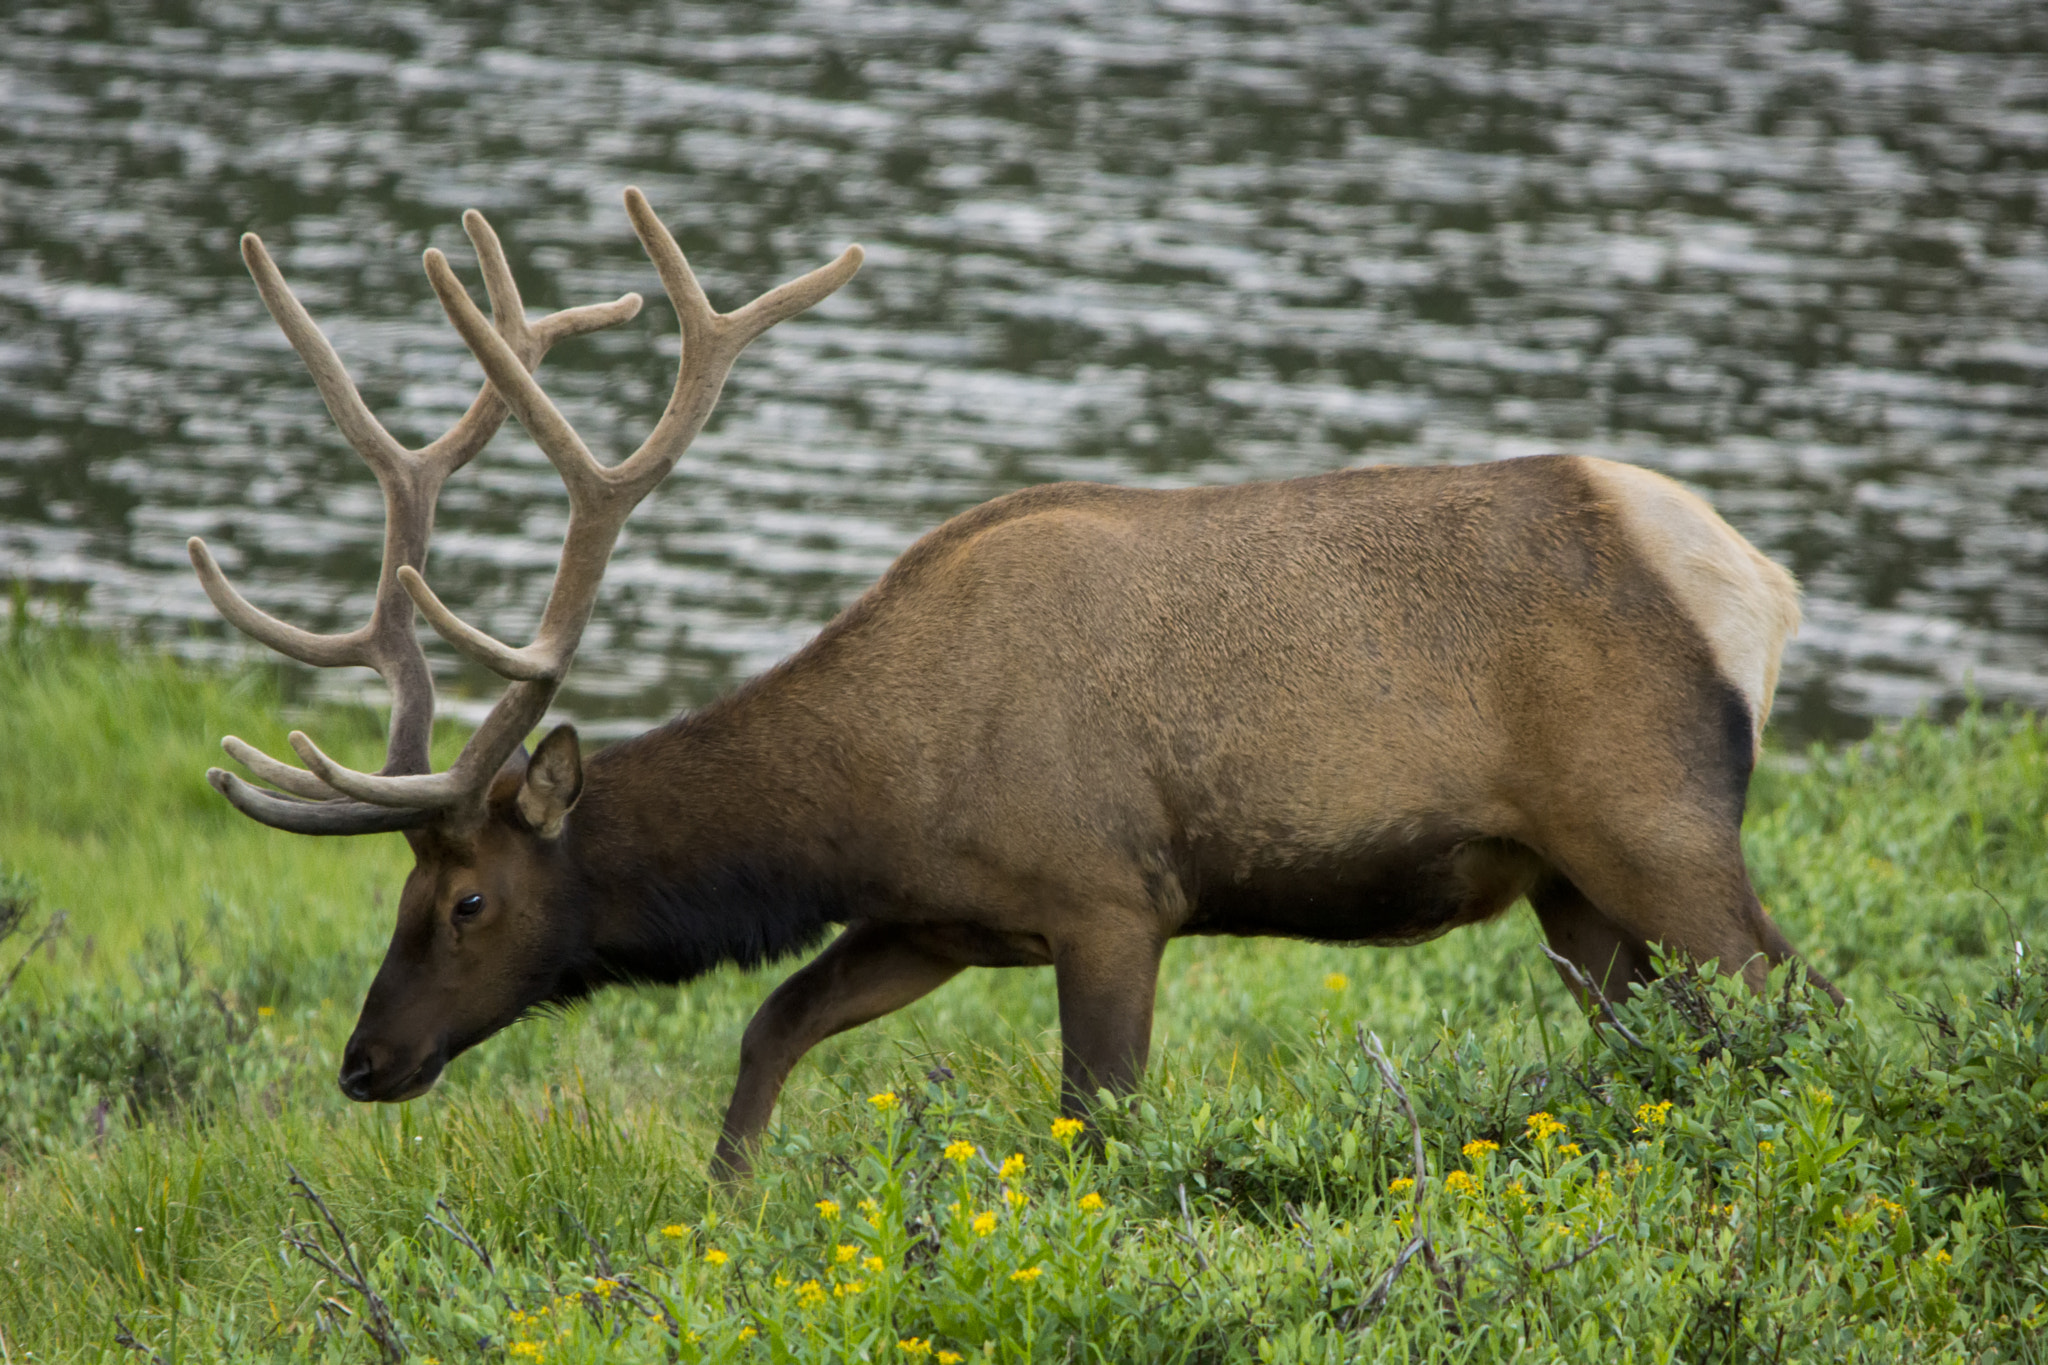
(1063, 728)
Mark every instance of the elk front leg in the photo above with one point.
(1107, 978)
(865, 973)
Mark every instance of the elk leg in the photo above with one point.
(1609, 956)
(1683, 885)
(868, 971)
(1107, 980)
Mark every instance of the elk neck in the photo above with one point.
(717, 838)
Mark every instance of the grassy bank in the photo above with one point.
(1750, 1180)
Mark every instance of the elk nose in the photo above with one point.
(358, 1064)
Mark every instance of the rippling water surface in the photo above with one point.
(1796, 254)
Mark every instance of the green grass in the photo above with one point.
(1864, 1186)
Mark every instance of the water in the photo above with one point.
(1793, 253)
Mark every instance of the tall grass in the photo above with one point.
(1753, 1179)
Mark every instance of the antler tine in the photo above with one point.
(529, 341)
(330, 376)
(322, 651)
(711, 341)
(411, 481)
(600, 499)
(311, 817)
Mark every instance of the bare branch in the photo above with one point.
(348, 1270)
(1588, 990)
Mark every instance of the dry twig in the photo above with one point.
(1585, 986)
(1419, 1243)
(348, 1271)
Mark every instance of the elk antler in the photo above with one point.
(600, 499)
(411, 481)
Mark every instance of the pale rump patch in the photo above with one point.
(1744, 605)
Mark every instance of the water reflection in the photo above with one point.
(1794, 253)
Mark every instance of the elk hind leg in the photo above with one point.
(865, 973)
(1107, 979)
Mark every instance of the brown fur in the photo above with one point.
(1079, 721)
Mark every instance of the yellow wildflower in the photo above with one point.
(844, 1253)
(914, 1346)
(869, 1207)
(849, 1289)
(1766, 1147)
(1542, 1126)
(1027, 1276)
(748, 1334)
(949, 1358)
(781, 1280)
(1461, 1182)
(962, 1152)
(984, 1224)
(1012, 1167)
(1091, 1201)
(828, 1209)
(1568, 1149)
(1479, 1147)
(603, 1288)
(1017, 1198)
(1401, 1186)
(884, 1101)
(810, 1294)
(874, 1265)
(1650, 1116)
(1336, 981)
(1940, 1257)
(1065, 1131)
(264, 1011)
(715, 1257)
(675, 1230)
(530, 1349)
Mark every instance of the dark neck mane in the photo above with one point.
(688, 851)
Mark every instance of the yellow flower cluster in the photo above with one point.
(1091, 1201)
(715, 1257)
(984, 1224)
(810, 1294)
(828, 1209)
(874, 1265)
(1401, 1186)
(1542, 1126)
(962, 1152)
(1652, 1115)
(1336, 981)
(844, 1253)
(1065, 1131)
(603, 1288)
(531, 1350)
(885, 1101)
(675, 1230)
(914, 1346)
(1027, 1276)
(1016, 1199)
(1462, 1182)
(1478, 1148)
(849, 1289)
(1012, 1167)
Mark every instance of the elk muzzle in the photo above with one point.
(374, 1070)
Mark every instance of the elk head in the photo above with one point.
(479, 940)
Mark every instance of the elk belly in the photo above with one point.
(1398, 891)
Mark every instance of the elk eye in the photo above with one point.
(469, 907)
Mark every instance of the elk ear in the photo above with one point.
(553, 781)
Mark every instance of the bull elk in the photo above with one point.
(1065, 727)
